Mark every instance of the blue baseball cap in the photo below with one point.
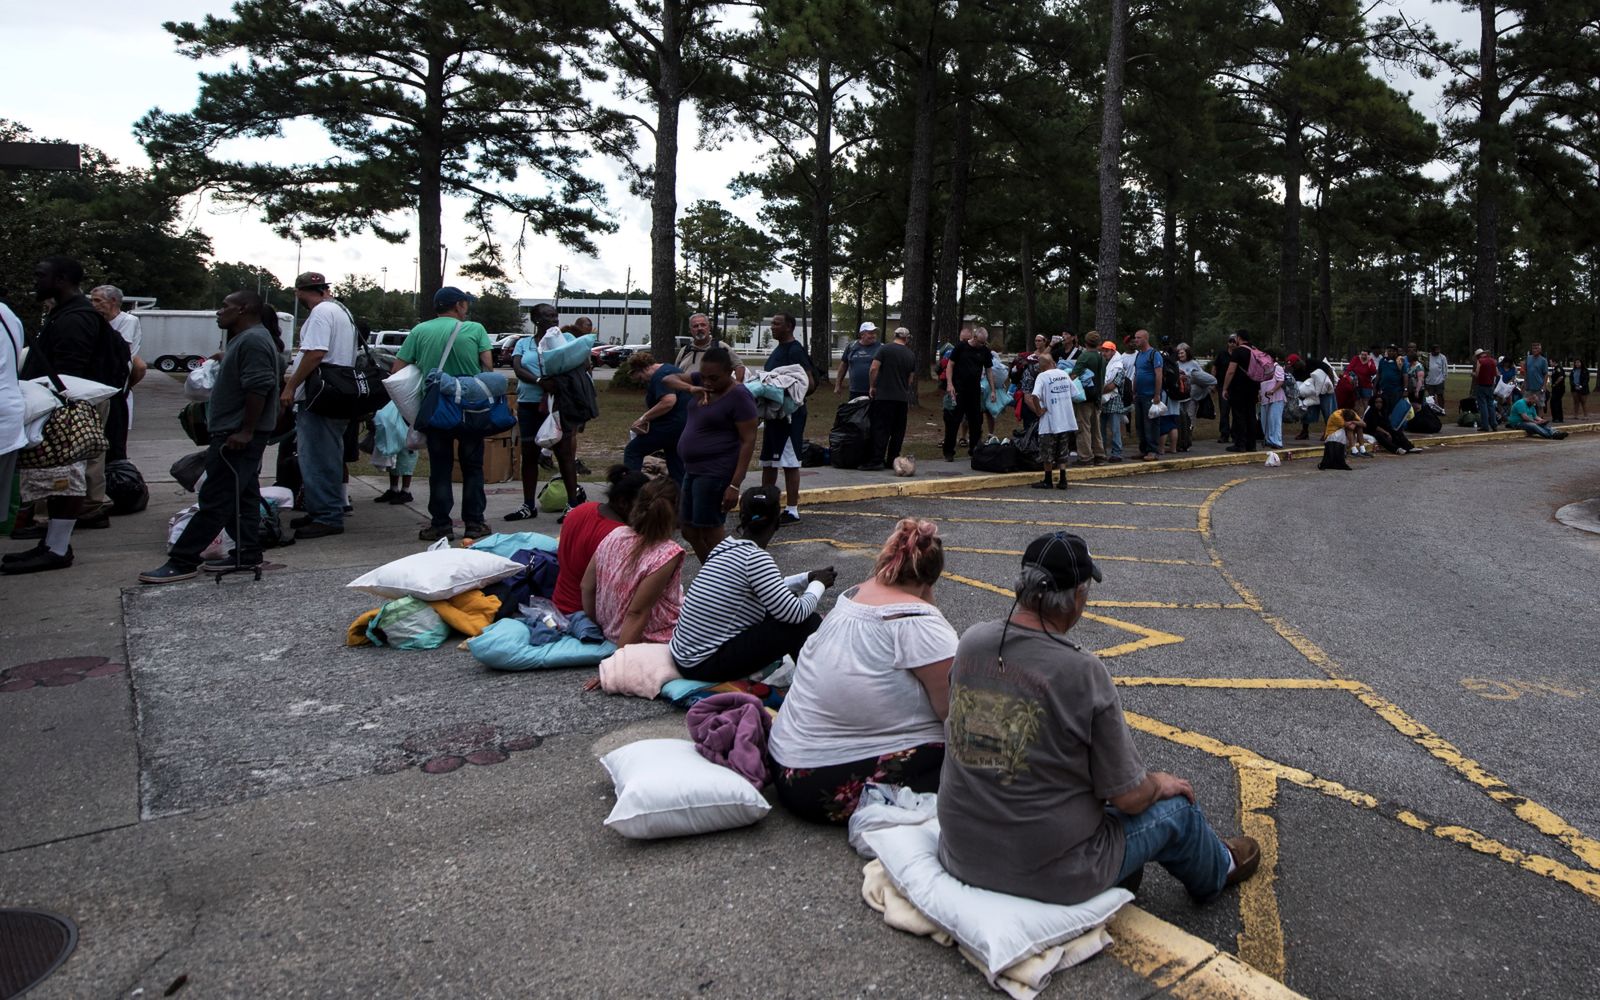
(449, 295)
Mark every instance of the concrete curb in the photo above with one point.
(1001, 480)
(1181, 965)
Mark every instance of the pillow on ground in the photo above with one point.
(510, 543)
(1000, 930)
(436, 575)
(573, 354)
(666, 789)
(507, 645)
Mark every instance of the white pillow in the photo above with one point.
(436, 575)
(405, 391)
(36, 401)
(1000, 930)
(666, 789)
(82, 389)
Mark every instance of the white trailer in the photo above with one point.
(182, 339)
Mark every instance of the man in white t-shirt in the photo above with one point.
(1051, 399)
(107, 301)
(328, 334)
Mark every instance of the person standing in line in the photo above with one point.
(719, 436)
(969, 363)
(783, 440)
(1438, 371)
(889, 384)
(855, 363)
(1273, 398)
(1091, 443)
(1485, 376)
(1201, 382)
(1219, 370)
(241, 415)
(700, 341)
(1557, 382)
(1241, 394)
(532, 405)
(1536, 375)
(328, 335)
(13, 432)
(1147, 388)
(107, 301)
(1111, 405)
(471, 353)
(1579, 377)
(1051, 399)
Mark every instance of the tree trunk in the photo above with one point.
(1074, 303)
(1485, 276)
(1169, 261)
(1189, 264)
(1105, 307)
(947, 314)
(861, 311)
(664, 191)
(1289, 246)
(1030, 296)
(821, 345)
(1324, 292)
(430, 183)
(805, 334)
(914, 285)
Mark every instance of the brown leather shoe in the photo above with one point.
(1246, 858)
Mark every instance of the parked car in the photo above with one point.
(385, 344)
(615, 355)
(504, 347)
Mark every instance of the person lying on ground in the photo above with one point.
(633, 589)
(740, 614)
(871, 689)
(1043, 793)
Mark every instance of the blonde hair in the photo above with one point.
(913, 554)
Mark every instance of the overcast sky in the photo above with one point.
(86, 71)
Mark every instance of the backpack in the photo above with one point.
(1173, 380)
(1261, 365)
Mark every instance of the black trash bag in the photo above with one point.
(1026, 441)
(847, 448)
(1425, 421)
(125, 487)
(854, 414)
(994, 458)
(188, 469)
(812, 455)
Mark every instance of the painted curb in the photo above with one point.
(971, 484)
(1182, 965)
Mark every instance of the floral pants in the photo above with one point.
(829, 794)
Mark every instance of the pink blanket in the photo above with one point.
(731, 729)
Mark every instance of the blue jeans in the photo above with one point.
(1174, 834)
(1327, 406)
(1272, 423)
(442, 453)
(1527, 427)
(661, 437)
(319, 441)
(1111, 432)
(1149, 432)
(1485, 397)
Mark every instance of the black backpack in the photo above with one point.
(1173, 380)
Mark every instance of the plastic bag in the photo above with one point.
(549, 431)
(543, 611)
(219, 547)
(125, 487)
(1078, 395)
(1273, 461)
(201, 381)
(883, 806)
(1158, 410)
(408, 623)
(405, 391)
(187, 470)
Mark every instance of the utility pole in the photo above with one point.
(296, 324)
(627, 282)
(560, 270)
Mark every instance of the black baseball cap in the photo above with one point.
(1064, 557)
(759, 506)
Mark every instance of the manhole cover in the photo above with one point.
(33, 944)
(1583, 515)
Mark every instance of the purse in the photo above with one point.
(72, 432)
(344, 392)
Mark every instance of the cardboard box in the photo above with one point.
(501, 455)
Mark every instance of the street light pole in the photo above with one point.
(560, 270)
(385, 271)
(626, 284)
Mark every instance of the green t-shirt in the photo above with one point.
(426, 342)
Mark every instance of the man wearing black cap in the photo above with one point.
(469, 353)
(328, 335)
(1043, 793)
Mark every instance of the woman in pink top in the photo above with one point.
(1272, 402)
(633, 587)
(586, 527)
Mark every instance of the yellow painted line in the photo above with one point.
(1585, 882)
(1539, 817)
(1149, 638)
(1241, 683)
(997, 520)
(1261, 940)
(998, 552)
(1170, 606)
(1142, 486)
(1095, 503)
(1179, 964)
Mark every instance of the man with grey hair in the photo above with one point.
(1043, 793)
(107, 301)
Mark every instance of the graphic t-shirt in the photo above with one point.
(858, 361)
(1053, 390)
(710, 442)
(1033, 750)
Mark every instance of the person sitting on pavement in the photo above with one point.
(871, 687)
(1342, 436)
(241, 415)
(1378, 425)
(661, 424)
(719, 436)
(740, 614)
(585, 528)
(1051, 400)
(1523, 417)
(633, 589)
(1043, 793)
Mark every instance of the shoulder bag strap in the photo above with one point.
(449, 343)
(49, 363)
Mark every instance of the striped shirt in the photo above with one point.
(737, 587)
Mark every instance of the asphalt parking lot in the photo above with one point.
(1386, 676)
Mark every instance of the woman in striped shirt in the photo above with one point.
(741, 613)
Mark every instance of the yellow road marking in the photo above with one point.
(1585, 882)
(1242, 683)
(1170, 606)
(1261, 940)
(1129, 486)
(836, 543)
(1149, 638)
(995, 520)
(1096, 503)
(1180, 965)
(1541, 818)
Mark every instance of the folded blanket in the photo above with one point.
(1022, 980)
(641, 669)
(731, 729)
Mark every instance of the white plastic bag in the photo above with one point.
(1273, 461)
(883, 806)
(201, 381)
(405, 391)
(549, 432)
(416, 440)
(219, 547)
(1158, 409)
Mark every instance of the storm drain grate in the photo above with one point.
(33, 944)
